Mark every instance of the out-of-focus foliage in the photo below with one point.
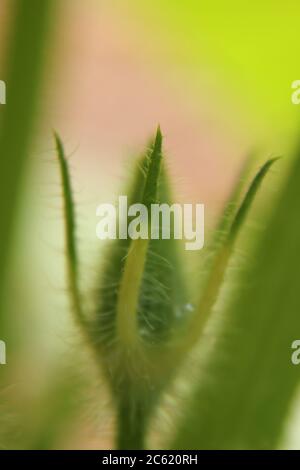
(31, 20)
(245, 400)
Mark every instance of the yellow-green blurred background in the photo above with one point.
(217, 77)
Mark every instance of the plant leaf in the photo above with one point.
(70, 240)
(223, 247)
(252, 381)
(140, 294)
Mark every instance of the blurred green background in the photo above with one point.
(216, 76)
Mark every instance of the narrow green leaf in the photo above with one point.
(134, 266)
(70, 239)
(232, 202)
(245, 206)
(221, 257)
(153, 172)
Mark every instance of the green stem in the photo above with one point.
(131, 424)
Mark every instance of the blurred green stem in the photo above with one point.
(25, 57)
(131, 426)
